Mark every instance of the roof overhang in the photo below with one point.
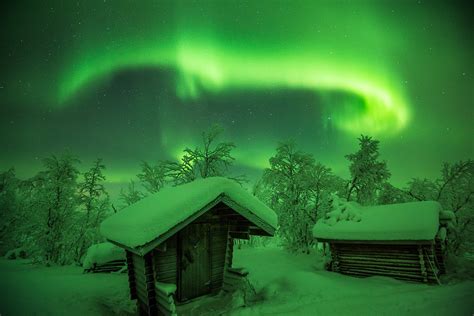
(249, 215)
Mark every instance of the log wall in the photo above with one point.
(145, 284)
(131, 276)
(165, 261)
(404, 262)
(165, 302)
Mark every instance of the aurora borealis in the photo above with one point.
(130, 82)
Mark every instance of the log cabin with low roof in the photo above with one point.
(179, 241)
(405, 241)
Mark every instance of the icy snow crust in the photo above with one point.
(405, 221)
(154, 215)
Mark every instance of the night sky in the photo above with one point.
(139, 80)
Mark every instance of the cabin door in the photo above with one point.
(195, 262)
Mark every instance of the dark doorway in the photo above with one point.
(194, 256)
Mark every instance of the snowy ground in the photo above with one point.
(289, 285)
(298, 285)
(35, 290)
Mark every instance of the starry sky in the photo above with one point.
(129, 81)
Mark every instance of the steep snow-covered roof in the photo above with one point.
(155, 215)
(405, 221)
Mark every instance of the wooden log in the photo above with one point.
(378, 272)
(376, 258)
(142, 294)
(379, 267)
(394, 274)
(373, 252)
(165, 304)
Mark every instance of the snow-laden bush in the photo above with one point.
(102, 253)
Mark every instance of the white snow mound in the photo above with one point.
(102, 253)
(404, 221)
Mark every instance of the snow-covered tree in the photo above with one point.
(390, 194)
(152, 177)
(57, 201)
(131, 194)
(367, 172)
(422, 189)
(297, 188)
(94, 204)
(455, 191)
(9, 215)
(211, 159)
(183, 171)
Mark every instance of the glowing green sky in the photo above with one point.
(127, 81)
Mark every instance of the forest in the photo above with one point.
(54, 216)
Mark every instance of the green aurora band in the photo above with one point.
(215, 68)
(219, 46)
(144, 79)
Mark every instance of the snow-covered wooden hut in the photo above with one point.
(403, 241)
(179, 241)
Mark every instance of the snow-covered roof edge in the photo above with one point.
(401, 222)
(133, 227)
(142, 250)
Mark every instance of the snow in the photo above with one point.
(102, 253)
(286, 284)
(447, 215)
(442, 233)
(154, 215)
(167, 288)
(342, 211)
(29, 289)
(405, 221)
(296, 284)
